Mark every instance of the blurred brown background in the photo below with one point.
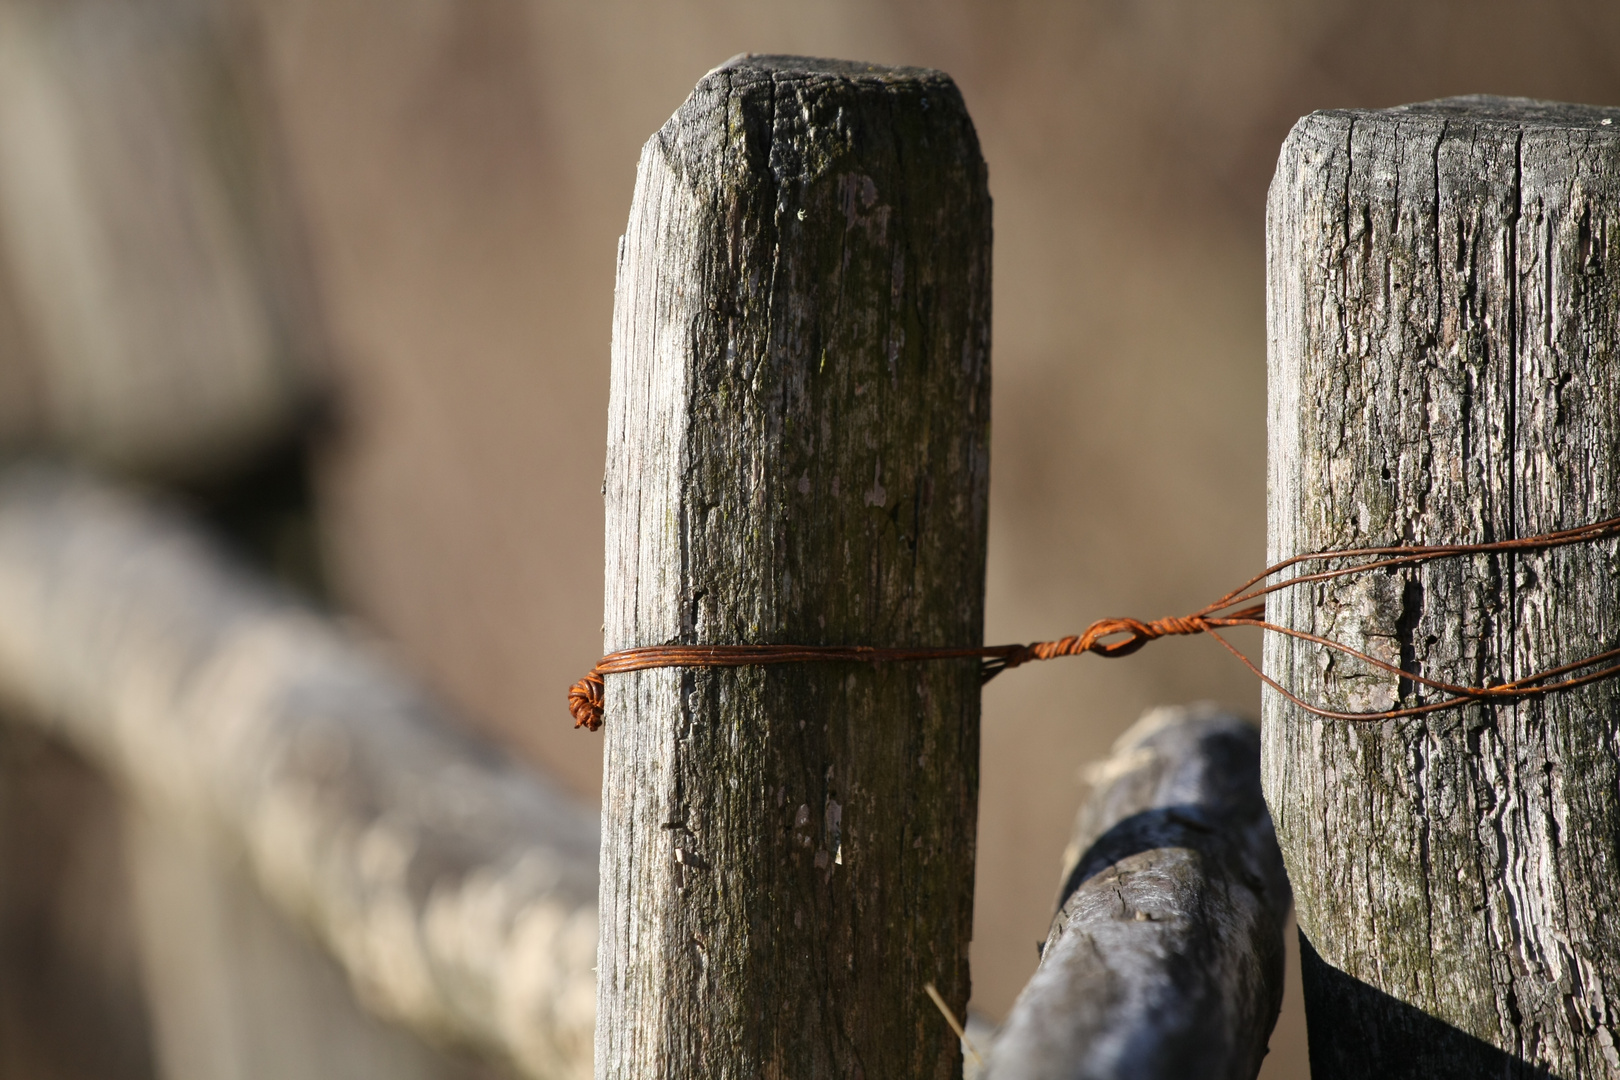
(456, 176)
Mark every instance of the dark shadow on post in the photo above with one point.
(1358, 1030)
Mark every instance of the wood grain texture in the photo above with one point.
(797, 454)
(457, 891)
(1443, 316)
(1165, 958)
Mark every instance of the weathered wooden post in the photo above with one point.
(1443, 325)
(797, 454)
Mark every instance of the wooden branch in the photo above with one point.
(458, 891)
(797, 454)
(1165, 958)
(1444, 320)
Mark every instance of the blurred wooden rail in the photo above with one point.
(456, 890)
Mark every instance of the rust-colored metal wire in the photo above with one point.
(1242, 606)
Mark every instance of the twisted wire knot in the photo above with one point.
(585, 700)
(1092, 640)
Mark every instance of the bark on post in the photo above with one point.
(797, 454)
(1165, 958)
(1444, 314)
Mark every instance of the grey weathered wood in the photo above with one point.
(458, 891)
(1443, 324)
(797, 453)
(1165, 958)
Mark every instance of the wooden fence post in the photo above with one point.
(1443, 326)
(797, 454)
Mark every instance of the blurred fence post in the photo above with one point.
(1444, 319)
(797, 454)
(148, 228)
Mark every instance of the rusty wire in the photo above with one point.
(1236, 608)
